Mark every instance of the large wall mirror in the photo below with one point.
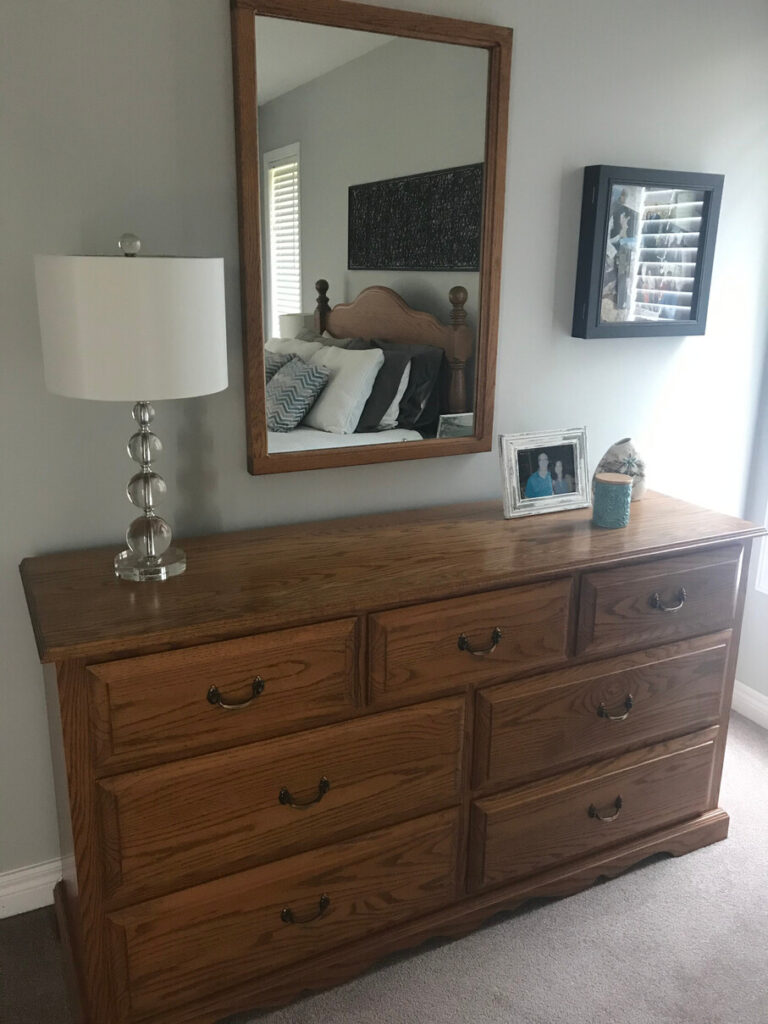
(371, 150)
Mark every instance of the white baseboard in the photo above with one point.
(28, 888)
(750, 703)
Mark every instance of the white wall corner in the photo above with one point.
(28, 888)
(751, 703)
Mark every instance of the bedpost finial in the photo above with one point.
(321, 309)
(458, 296)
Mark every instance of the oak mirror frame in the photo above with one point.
(497, 42)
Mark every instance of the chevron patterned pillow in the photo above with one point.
(292, 392)
(274, 361)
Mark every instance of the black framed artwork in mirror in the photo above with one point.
(646, 248)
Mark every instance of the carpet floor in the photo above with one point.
(674, 941)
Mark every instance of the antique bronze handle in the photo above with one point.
(288, 916)
(214, 696)
(602, 710)
(285, 797)
(658, 602)
(594, 813)
(465, 645)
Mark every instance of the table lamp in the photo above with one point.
(124, 328)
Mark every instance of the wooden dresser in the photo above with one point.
(331, 741)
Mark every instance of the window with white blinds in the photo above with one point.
(281, 174)
(670, 224)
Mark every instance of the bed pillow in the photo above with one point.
(310, 334)
(420, 404)
(274, 361)
(385, 386)
(389, 419)
(291, 393)
(352, 375)
(294, 347)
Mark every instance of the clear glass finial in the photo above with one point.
(129, 245)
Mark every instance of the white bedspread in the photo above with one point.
(306, 439)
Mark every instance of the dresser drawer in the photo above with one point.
(538, 826)
(217, 935)
(178, 824)
(428, 648)
(534, 727)
(655, 602)
(163, 706)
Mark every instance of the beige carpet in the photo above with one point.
(675, 941)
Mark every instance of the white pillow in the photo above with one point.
(294, 347)
(339, 407)
(389, 420)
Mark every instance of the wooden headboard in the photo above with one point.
(379, 312)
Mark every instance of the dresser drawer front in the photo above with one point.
(659, 601)
(533, 728)
(417, 651)
(178, 824)
(161, 706)
(537, 827)
(217, 935)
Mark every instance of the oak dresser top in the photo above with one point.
(260, 579)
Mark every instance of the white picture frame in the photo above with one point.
(528, 491)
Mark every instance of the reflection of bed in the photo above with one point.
(380, 312)
(304, 439)
(379, 319)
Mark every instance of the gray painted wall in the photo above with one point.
(409, 106)
(118, 116)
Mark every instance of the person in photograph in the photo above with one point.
(540, 483)
(562, 482)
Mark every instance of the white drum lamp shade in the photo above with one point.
(123, 329)
(117, 328)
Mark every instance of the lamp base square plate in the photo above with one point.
(130, 566)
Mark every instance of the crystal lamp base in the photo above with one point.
(139, 568)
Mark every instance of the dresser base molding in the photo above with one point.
(342, 964)
(72, 979)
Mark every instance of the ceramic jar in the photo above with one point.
(622, 457)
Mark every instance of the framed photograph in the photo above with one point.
(544, 472)
(456, 424)
(645, 252)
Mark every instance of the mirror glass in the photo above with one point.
(371, 151)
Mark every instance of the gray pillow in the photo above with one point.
(292, 392)
(274, 361)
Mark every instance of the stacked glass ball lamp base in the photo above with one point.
(131, 566)
(149, 554)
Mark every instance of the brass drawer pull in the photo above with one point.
(594, 813)
(657, 601)
(602, 710)
(465, 645)
(214, 696)
(287, 916)
(285, 797)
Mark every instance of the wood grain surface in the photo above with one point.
(181, 948)
(183, 823)
(257, 580)
(617, 608)
(532, 728)
(344, 962)
(533, 828)
(155, 708)
(415, 652)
